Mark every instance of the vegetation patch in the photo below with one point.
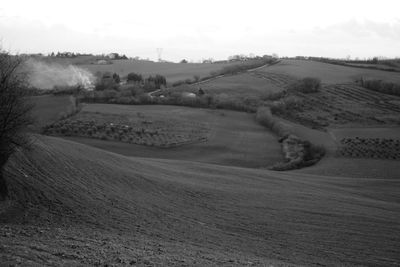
(338, 104)
(229, 70)
(306, 85)
(298, 153)
(381, 86)
(379, 148)
(139, 129)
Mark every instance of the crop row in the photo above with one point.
(380, 148)
(142, 134)
(279, 80)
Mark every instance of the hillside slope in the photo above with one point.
(73, 204)
(328, 73)
(233, 138)
(172, 71)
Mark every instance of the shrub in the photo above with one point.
(312, 152)
(381, 86)
(265, 118)
(157, 81)
(287, 104)
(267, 96)
(107, 81)
(178, 83)
(306, 85)
(306, 153)
(134, 77)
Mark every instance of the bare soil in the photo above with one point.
(70, 204)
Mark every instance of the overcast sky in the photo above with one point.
(196, 29)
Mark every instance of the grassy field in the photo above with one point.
(48, 108)
(241, 84)
(340, 102)
(172, 71)
(81, 205)
(231, 138)
(328, 73)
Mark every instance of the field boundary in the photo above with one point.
(298, 153)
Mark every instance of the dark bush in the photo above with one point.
(134, 77)
(381, 86)
(306, 85)
(157, 81)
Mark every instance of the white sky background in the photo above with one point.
(196, 29)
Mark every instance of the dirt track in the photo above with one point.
(72, 204)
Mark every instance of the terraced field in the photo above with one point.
(141, 129)
(277, 79)
(172, 132)
(241, 84)
(342, 104)
(328, 73)
(339, 104)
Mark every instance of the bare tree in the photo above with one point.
(15, 110)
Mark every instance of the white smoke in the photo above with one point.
(44, 75)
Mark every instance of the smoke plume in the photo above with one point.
(50, 75)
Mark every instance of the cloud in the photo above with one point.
(365, 29)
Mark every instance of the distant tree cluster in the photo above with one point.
(116, 56)
(134, 77)
(68, 54)
(243, 57)
(107, 80)
(112, 81)
(207, 60)
(157, 81)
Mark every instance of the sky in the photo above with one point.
(202, 29)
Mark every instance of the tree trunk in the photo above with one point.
(3, 187)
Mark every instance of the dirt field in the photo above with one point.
(72, 204)
(232, 138)
(328, 73)
(149, 196)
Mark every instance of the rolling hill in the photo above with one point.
(71, 204)
(244, 84)
(172, 71)
(232, 138)
(328, 73)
